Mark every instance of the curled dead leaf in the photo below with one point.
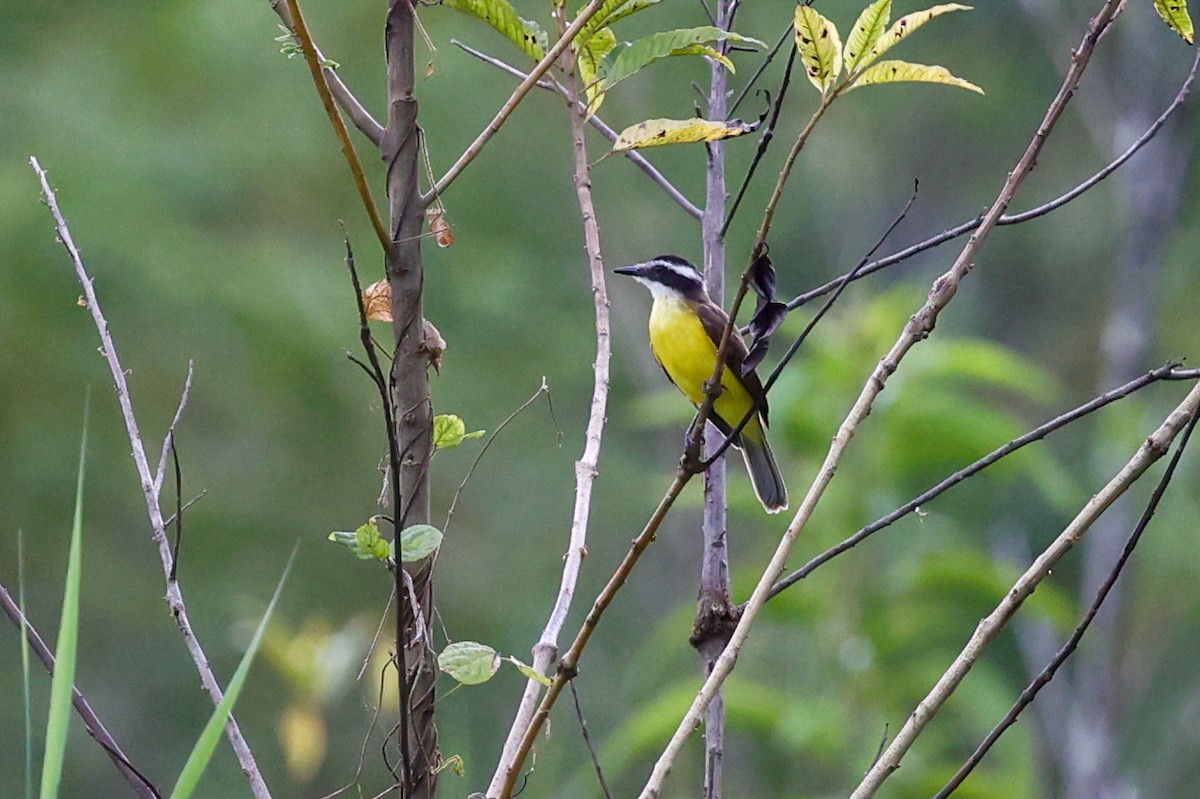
(377, 301)
(439, 227)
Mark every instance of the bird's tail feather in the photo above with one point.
(764, 474)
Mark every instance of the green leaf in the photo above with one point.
(903, 71)
(610, 12)
(206, 745)
(449, 431)
(871, 24)
(469, 662)
(820, 47)
(525, 34)
(529, 672)
(903, 28)
(418, 542)
(591, 55)
(657, 132)
(62, 685)
(1175, 14)
(634, 56)
(366, 542)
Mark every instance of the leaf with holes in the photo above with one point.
(657, 132)
(820, 47)
(903, 28)
(903, 72)
(1175, 14)
(871, 24)
(525, 34)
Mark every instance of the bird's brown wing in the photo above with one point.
(714, 319)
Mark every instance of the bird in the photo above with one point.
(685, 329)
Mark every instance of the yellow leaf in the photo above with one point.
(377, 301)
(656, 132)
(1175, 14)
(871, 24)
(903, 28)
(820, 47)
(598, 45)
(903, 71)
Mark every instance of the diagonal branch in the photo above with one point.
(510, 105)
(1154, 447)
(546, 649)
(1166, 372)
(1024, 216)
(174, 595)
(359, 115)
(91, 722)
(596, 122)
(1047, 674)
(339, 127)
(918, 328)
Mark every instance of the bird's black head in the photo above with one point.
(668, 274)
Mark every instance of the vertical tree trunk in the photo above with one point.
(400, 150)
(715, 614)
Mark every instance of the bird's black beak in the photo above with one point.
(634, 270)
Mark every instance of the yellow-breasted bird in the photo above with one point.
(685, 328)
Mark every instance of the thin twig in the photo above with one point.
(1155, 446)
(375, 370)
(568, 666)
(596, 122)
(1024, 216)
(91, 722)
(339, 126)
(1047, 674)
(587, 740)
(812, 323)
(174, 594)
(1166, 372)
(166, 447)
(918, 328)
(542, 389)
(359, 115)
(518, 94)
(586, 468)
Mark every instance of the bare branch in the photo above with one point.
(1024, 216)
(587, 739)
(339, 127)
(1166, 372)
(166, 447)
(510, 105)
(174, 594)
(918, 328)
(596, 122)
(1047, 674)
(91, 722)
(359, 115)
(1154, 447)
(546, 649)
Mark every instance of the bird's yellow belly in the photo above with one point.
(682, 346)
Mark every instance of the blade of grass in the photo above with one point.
(206, 744)
(63, 682)
(25, 666)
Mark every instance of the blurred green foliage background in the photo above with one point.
(204, 186)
